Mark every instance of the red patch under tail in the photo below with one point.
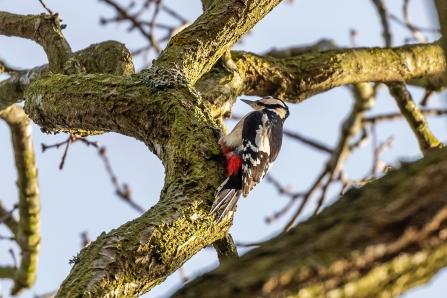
(234, 164)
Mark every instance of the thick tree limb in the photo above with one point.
(46, 31)
(293, 79)
(160, 108)
(110, 57)
(414, 117)
(27, 232)
(297, 78)
(376, 241)
(198, 47)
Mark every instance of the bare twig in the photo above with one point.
(183, 274)
(416, 33)
(383, 13)
(352, 36)
(284, 191)
(313, 143)
(426, 98)
(85, 239)
(55, 14)
(146, 28)
(12, 238)
(71, 139)
(414, 117)
(123, 192)
(13, 256)
(364, 99)
(255, 244)
(394, 116)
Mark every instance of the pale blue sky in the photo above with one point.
(81, 197)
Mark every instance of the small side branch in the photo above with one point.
(28, 228)
(394, 116)
(414, 117)
(225, 248)
(46, 31)
(8, 219)
(364, 98)
(383, 13)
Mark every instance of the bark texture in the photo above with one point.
(26, 230)
(161, 107)
(376, 241)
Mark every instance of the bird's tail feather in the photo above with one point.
(225, 201)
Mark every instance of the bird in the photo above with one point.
(250, 150)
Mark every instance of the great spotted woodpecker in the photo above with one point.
(250, 149)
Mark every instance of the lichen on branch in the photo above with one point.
(379, 240)
(414, 117)
(26, 229)
(46, 31)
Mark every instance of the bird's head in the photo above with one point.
(270, 103)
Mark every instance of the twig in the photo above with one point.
(13, 256)
(123, 192)
(364, 99)
(183, 274)
(383, 13)
(361, 141)
(56, 15)
(255, 244)
(426, 98)
(416, 33)
(9, 213)
(85, 240)
(174, 14)
(307, 141)
(12, 238)
(71, 139)
(285, 191)
(146, 28)
(394, 116)
(352, 36)
(414, 117)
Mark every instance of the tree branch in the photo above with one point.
(383, 13)
(198, 47)
(297, 78)
(8, 219)
(441, 7)
(379, 240)
(364, 100)
(110, 57)
(28, 231)
(161, 108)
(414, 117)
(225, 248)
(46, 31)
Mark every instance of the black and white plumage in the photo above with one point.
(250, 149)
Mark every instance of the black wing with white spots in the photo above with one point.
(260, 149)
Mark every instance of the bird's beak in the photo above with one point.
(249, 102)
